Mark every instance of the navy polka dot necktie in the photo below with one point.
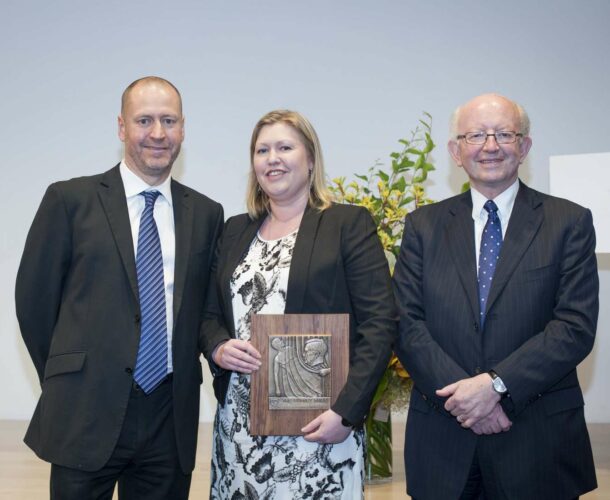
(491, 243)
(151, 365)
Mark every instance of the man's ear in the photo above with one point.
(121, 124)
(524, 147)
(454, 150)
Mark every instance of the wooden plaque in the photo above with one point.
(305, 360)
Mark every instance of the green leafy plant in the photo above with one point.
(390, 195)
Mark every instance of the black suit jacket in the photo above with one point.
(541, 322)
(77, 305)
(338, 266)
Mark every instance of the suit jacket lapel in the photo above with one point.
(112, 196)
(183, 227)
(459, 238)
(524, 223)
(301, 256)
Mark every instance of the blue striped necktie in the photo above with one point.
(151, 365)
(491, 243)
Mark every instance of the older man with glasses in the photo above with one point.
(498, 296)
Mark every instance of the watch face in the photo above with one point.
(499, 385)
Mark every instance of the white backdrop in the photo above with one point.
(362, 71)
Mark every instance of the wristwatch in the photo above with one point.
(498, 384)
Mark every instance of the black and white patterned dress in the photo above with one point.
(273, 467)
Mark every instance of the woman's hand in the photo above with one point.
(237, 355)
(326, 429)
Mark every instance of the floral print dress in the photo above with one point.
(273, 467)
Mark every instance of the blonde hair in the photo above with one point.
(320, 197)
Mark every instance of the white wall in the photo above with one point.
(361, 71)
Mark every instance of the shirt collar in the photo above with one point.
(504, 201)
(134, 185)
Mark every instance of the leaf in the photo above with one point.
(362, 177)
(385, 177)
(406, 163)
(429, 144)
(426, 125)
(400, 184)
(465, 187)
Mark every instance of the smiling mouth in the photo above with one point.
(156, 149)
(275, 173)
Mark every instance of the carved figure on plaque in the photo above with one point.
(298, 372)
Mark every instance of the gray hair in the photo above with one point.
(524, 119)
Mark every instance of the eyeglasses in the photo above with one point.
(480, 137)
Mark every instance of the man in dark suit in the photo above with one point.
(109, 300)
(492, 343)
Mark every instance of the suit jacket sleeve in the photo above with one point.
(44, 264)
(429, 365)
(549, 355)
(370, 293)
(213, 330)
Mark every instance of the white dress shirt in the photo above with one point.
(505, 202)
(164, 218)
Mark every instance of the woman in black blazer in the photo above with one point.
(295, 252)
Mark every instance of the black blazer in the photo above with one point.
(338, 266)
(541, 322)
(77, 305)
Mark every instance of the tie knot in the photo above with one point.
(491, 207)
(151, 196)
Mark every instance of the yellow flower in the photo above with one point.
(386, 241)
(367, 203)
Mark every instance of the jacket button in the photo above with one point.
(425, 398)
(477, 370)
(137, 317)
(128, 370)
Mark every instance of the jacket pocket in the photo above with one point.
(64, 363)
(540, 273)
(418, 402)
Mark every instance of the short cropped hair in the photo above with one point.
(147, 79)
(524, 119)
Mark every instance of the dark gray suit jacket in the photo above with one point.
(338, 266)
(77, 305)
(541, 322)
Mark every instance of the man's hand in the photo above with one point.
(326, 429)
(237, 355)
(470, 399)
(495, 422)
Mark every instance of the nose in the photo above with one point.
(157, 131)
(490, 143)
(272, 157)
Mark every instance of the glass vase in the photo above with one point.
(378, 428)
